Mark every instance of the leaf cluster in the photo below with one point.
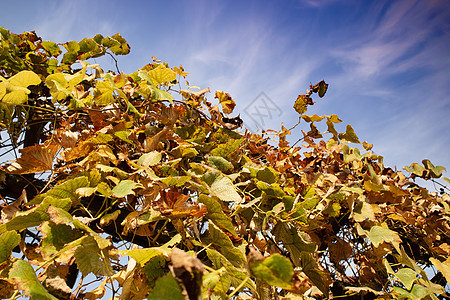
(153, 189)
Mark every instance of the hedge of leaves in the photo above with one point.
(157, 192)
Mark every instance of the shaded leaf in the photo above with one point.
(8, 241)
(166, 287)
(216, 214)
(275, 270)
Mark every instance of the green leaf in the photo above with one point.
(349, 136)
(155, 267)
(220, 163)
(300, 104)
(268, 175)
(216, 214)
(378, 235)
(55, 237)
(294, 240)
(88, 258)
(176, 180)
(117, 44)
(142, 256)
(166, 287)
(317, 276)
(407, 277)
(23, 275)
(275, 270)
(221, 187)
(149, 159)
(51, 48)
(224, 150)
(65, 190)
(220, 239)
(125, 187)
(8, 241)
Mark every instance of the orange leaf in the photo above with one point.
(37, 158)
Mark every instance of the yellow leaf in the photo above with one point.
(24, 79)
(161, 75)
(227, 102)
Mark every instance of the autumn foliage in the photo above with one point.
(140, 186)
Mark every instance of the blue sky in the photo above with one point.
(387, 62)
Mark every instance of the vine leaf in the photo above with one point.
(8, 241)
(22, 273)
(222, 187)
(216, 214)
(301, 102)
(14, 90)
(275, 269)
(34, 159)
(166, 287)
(349, 136)
(226, 101)
(443, 267)
(125, 187)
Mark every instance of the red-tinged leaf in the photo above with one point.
(226, 101)
(34, 159)
(22, 273)
(301, 102)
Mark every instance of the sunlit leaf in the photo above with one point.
(349, 136)
(37, 158)
(8, 241)
(300, 104)
(443, 267)
(25, 279)
(162, 75)
(222, 187)
(226, 101)
(25, 79)
(149, 159)
(125, 187)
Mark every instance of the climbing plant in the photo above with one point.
(141, 186)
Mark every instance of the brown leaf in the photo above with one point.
(37, 158)
(8, 211)
(339, 250)
(189, 271)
